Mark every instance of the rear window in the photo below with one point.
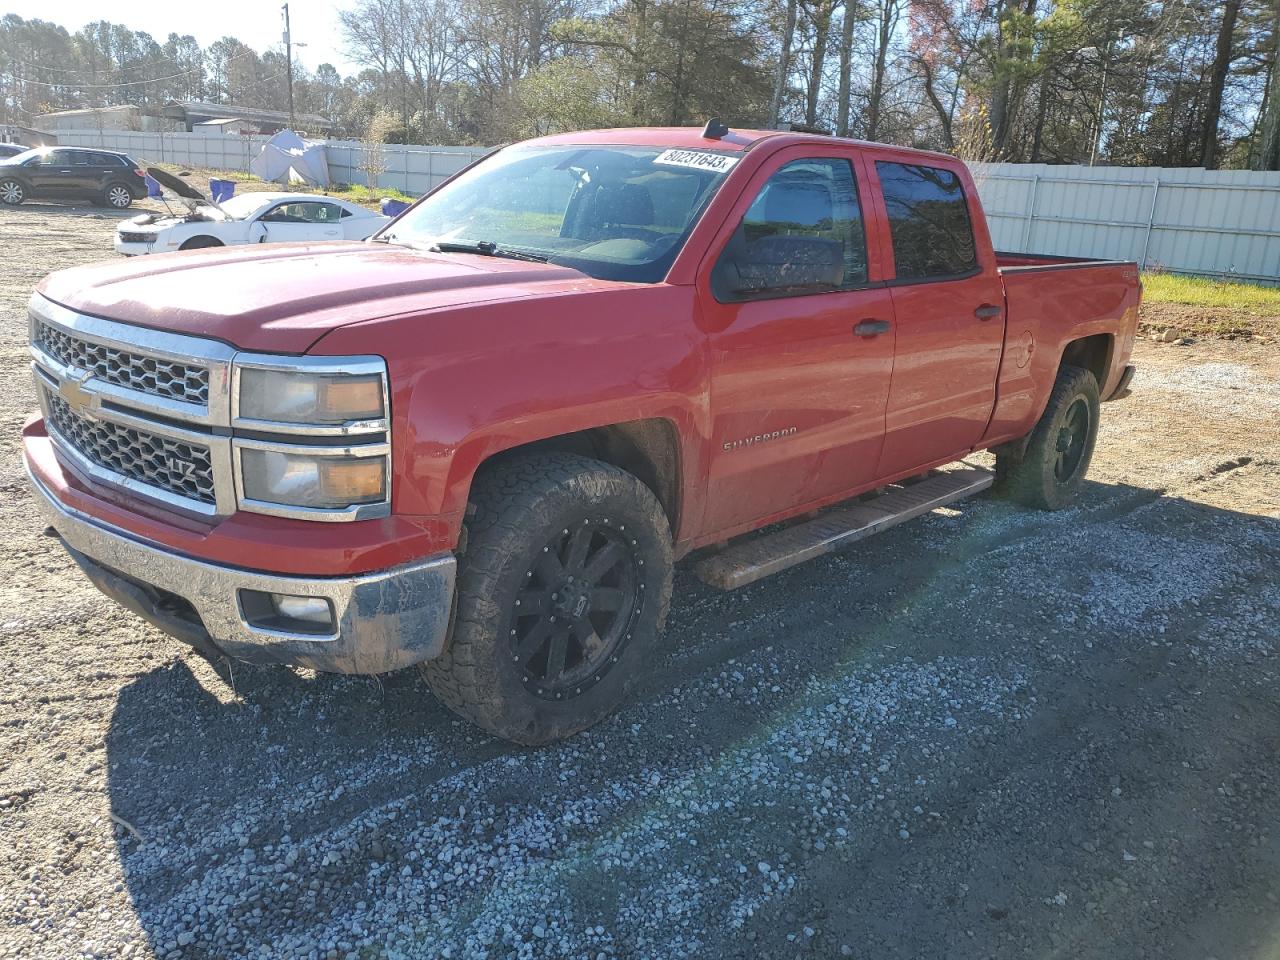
(928, 221)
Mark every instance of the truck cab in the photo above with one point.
(479, 442)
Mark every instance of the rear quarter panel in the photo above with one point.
(1048, 307)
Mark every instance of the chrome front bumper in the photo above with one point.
(384, 620)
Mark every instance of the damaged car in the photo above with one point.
(193, 221)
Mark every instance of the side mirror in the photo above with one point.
(777, 265)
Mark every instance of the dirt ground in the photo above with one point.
(987, 733)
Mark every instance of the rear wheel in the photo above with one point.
(12, 191)
(1048, 472)
(117, 195)
(198, 243)
(562, 591)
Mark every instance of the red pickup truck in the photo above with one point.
(479, 441)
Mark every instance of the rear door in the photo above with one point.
(949, 304)
(800, 360)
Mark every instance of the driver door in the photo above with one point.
(801, 361)
(302, 222)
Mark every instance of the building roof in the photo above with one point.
(220, 122)
(85, 110)
(190, 109)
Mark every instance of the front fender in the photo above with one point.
(469, 382)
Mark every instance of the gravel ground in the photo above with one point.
(988, 733)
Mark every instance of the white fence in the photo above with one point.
(411, 168)
(1213, 222)
(222, 152)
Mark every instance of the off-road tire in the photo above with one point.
(12, 192)
(1028, 475)
(517, 508)
(118, 196)
(200, 243)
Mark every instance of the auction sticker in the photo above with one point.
(697, 159)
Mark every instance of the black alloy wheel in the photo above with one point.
(1073, 438)
(576, 611)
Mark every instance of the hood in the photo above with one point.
(282, 298)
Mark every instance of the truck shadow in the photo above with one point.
(1050, 690)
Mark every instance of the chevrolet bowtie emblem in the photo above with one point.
(73, 392)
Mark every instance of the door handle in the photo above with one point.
(871, 328)
(987, 311)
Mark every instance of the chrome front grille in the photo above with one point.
(169, 379)
(127, 237)
(183, 469)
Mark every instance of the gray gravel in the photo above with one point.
(987, 733)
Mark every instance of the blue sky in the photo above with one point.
(315, 22)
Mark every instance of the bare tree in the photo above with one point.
(373, 153)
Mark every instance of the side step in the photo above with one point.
(761, 556)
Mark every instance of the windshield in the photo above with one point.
(613, 212)
(243, 205)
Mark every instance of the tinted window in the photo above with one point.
(928, 221)
(802, 234)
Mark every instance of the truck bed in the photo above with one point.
(1052, 301)
(1008, 262)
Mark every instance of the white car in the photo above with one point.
(249, 218)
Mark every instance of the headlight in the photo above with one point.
(318, 482)
(309, 398)
(312, 436)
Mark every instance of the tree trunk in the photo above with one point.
(1042, 113)
(846, 68)
(784, 65)
(1217, 82)
(944, 114)
(1268, 157)
(875, 102)
(821, 30)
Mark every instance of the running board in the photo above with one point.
(761, 556)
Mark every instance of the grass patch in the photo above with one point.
(358, 193)
(1175, 306)
(1211, 292)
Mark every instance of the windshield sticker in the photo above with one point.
(714, 162)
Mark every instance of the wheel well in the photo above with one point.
(1093, 353)
(647, 449)
(192, 243)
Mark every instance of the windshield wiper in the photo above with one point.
(486, 248)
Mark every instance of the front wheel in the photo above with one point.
(12, 192)
(1048, 472)
(117, 195)
(562, 592)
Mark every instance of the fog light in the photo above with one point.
(288, 613)
(311, 609)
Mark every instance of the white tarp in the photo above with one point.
(287, 158)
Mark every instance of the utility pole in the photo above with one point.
(288, 61)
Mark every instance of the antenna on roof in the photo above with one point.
(715, 129)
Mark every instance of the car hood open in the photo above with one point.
(284, 297)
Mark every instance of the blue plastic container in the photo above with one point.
(222, 190)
